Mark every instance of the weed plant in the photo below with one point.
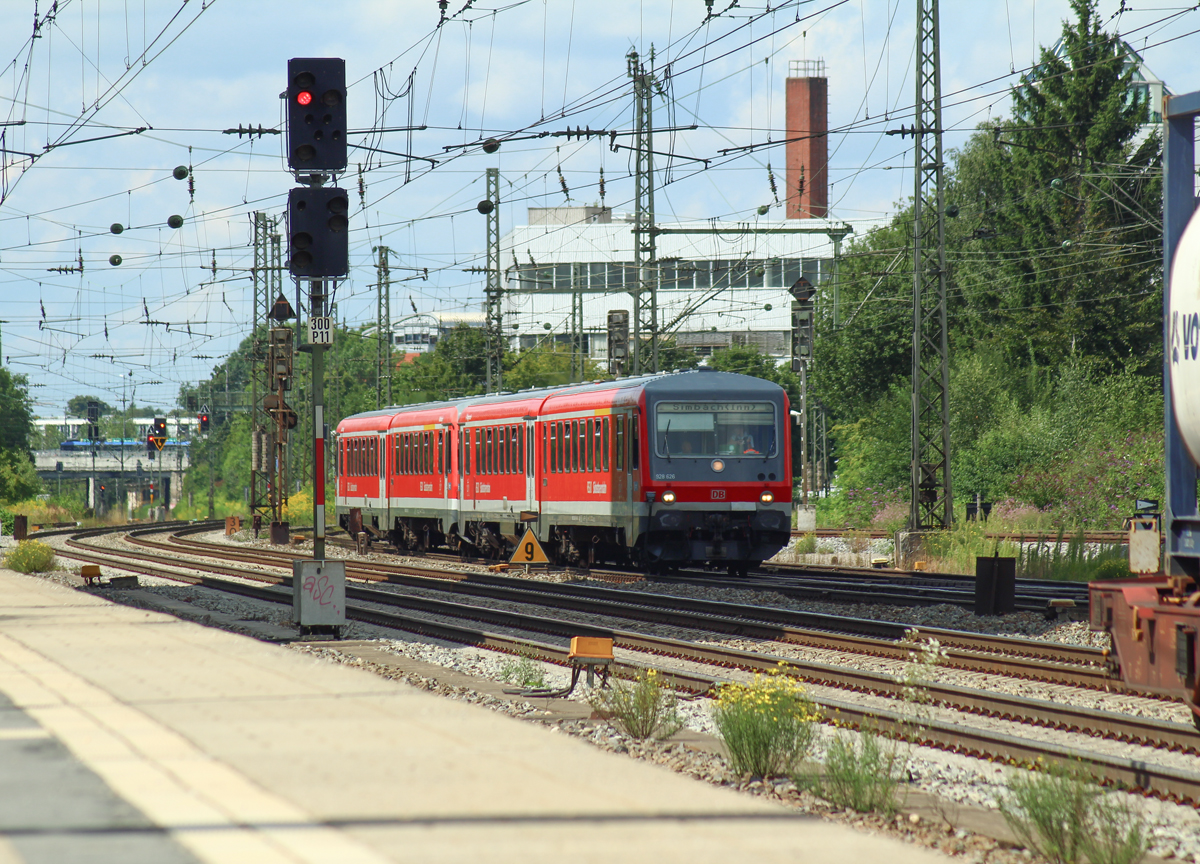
(862, 772)
(1062, 816)
(918, 673)
(768, 724)
(643, 708)
(806, 544)
(30, 556)
(523, 671)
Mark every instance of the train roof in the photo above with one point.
(701, 381)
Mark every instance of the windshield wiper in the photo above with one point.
(770, 448)
(666, 443)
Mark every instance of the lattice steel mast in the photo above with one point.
(932, 503)
(493, 322)
(645, 294)
(383, 327)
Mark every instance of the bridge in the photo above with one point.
(118, 473)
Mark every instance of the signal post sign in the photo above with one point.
(529, 551)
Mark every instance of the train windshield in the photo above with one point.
(699, 429)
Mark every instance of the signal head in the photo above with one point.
(317, 123)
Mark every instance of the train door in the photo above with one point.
(453, 479)
(620, 459)
(531, 495)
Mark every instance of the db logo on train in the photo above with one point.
(718, 494)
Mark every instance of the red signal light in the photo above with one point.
(304, 97)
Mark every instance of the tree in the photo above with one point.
(1063, 202)
(77, 406)
(18, 478)
(547, 365)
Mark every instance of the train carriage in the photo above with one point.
(659, 471)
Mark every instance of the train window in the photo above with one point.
(514, 450)
(597, 453)
(604, 443)
(478, 450)
(489, 451)
(529, 453)
(573, 458)
(619, 442)
(634, 455)
(583, 446)
(426, 454)
(464, 451)
(441, 451)
(715, 429)
(502, 450)
(521, 449)
(588, 454)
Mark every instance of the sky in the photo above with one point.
(107, 97)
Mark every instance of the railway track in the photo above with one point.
(839, 584)
(389, 609)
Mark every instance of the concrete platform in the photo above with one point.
(131, 736)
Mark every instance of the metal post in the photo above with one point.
(493, 322)
(803, 433)
(645, 293)
(932, 501)
(316, 306)
(577, 363)
(835, 277)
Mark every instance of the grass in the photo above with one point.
(861, 773)
(1064, 817)
(767, 724)
(643, 708)
(30, 556)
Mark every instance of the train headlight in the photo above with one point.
(766, 497)
(718, 465)
(668, 497)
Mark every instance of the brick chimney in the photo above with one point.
(807, 93)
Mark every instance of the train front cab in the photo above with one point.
(717, 480)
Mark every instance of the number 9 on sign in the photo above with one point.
(529, 551)
(320, 330)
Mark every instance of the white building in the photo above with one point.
(720, 283)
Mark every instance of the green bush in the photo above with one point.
(863, 776)
(644, 708)
(30, 556)
(768, 724)
(6, 522)
(1060, 814)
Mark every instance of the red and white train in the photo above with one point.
(658, 471)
